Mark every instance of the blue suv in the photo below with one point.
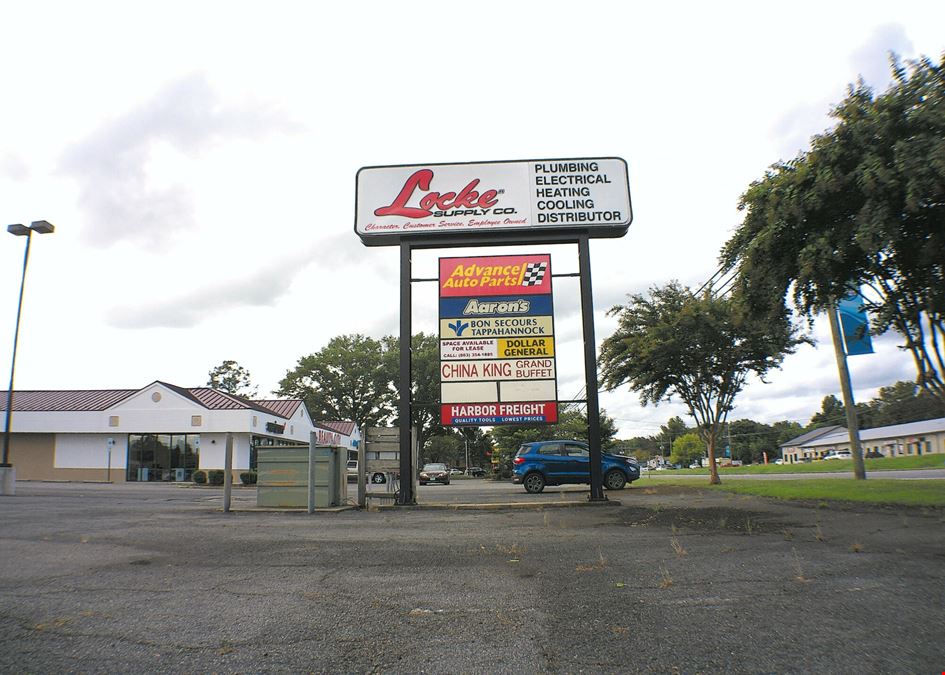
(555, 462)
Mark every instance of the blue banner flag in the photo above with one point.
(855, 325)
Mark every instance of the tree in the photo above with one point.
(698, 348)
(903, 402)
(832, 412)
(446, 448)
(669, 432)
(865, 206)
(479, 444)
(425, 381)
(641, 447)
(345, 380)
(572, 424)
(232, 378)
(687, 449)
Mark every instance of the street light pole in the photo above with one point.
(7, 473)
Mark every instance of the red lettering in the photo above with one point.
(399, 207)
(467, 198)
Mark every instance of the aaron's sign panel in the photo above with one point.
(588, 195)
(497, 350)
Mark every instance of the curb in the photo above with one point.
(290, 509)
(535, 506)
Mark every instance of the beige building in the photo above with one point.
(161, 432)
(911, 438)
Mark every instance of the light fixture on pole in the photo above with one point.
(7, 473)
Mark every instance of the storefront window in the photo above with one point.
(162, 457)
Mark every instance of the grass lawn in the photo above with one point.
(834, 465)
(874, 490)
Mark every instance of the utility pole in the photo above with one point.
(859, 470)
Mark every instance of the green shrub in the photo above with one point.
(200, 477)
(215, 477)
(248, 477)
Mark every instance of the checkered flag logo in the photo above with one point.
(534, 273)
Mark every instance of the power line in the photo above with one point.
(720, 283)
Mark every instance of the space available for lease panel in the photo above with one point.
(497, 351)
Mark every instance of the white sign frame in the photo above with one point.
(586, 195)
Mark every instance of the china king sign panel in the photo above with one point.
(497, 362)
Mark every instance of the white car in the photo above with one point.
(839, 454)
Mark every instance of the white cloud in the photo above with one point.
(120, 197)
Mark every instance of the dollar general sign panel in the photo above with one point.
(497, 351)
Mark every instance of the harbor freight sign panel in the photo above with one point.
(591, 196)
(497, 345)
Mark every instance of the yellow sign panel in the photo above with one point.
(517, 348)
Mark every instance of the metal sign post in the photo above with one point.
(590, 372)
(405, 496)
(108, 471)
(227, 472)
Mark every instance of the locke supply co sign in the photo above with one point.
(497, 345)
(590, 195)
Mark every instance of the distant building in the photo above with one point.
(161, 432)
(911, 438)
(796, 450)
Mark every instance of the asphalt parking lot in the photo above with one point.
(155, 578)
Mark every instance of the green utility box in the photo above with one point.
(283, 474)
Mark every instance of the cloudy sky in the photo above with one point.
(198, 161)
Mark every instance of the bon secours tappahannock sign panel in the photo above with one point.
(497, 352)
(587, 195)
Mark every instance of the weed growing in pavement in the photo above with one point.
(666, 581)
(788, 535)
(674, 529)
(819, 534)
(503, 619)
(723, 521)
(599, 564)
(798, 571)
(515, 552)
(55, 623)
(748, 526)
(680, 551)
(856, 547)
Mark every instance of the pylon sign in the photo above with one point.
(497, 346)
(504, 199)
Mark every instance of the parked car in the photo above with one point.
(839, 454)
(542, 463)
(477, 471)
(779, 461)
(874, 454)
(456, 472)
(434, 473)
(352, 470)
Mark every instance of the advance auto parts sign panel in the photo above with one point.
(497, 351)
(589, 195)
